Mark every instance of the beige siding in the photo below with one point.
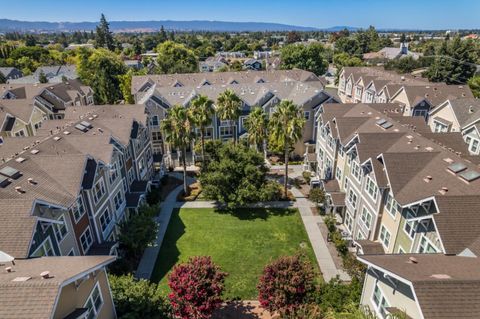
(72, 297)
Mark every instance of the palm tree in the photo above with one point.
(177, 131)
(256, 124)
(201, 112)
(229, 108)
(285, 127)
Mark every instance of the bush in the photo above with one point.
(197, 287)
(153, 196)
(330, 222)
(137, 298)
(317, 195)
(286, 284)
(337, 296)
(307, 176)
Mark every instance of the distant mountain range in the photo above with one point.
(7, 25)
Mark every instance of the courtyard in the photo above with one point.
(240, 241)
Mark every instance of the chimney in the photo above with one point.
(8, 269)
(413, 260)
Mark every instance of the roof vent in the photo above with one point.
(34, 151)
(427, 179)
(448, 160)
(19, 190)
(443, 190)
(57, 138)
(440, 276)
(8, 269)
(66, 132)
(413, 260)
(81, 128)
(32, 181)
(45, 275)
(20, 159)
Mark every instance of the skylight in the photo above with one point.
(457, 167)
(81, 128)
(470, 175)
(10, 172)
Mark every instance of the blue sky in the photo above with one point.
(431, 14)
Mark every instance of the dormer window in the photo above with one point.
(177, 84)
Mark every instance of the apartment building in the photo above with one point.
(57, 288)
(458, 115)
(54, 74)
(397, 188)
(261, 88)
(20, 118)
(72, 183)
(422, 286)
(52, 99)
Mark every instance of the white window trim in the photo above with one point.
(364, 209)
(383, 240)
(95, 199)
(372, 300)
(413, 227)
(84, 209)
(43, 243)
(428, 241)
(59, 241)
(375, 197)
(96, 312)
(85, 250)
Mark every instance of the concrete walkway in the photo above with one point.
(149, 258)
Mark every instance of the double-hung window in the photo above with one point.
(384, 236)
(118, 200)
(352, 198)
(356, 170)
(105, 219)
(61, 229)
(98, 190)
(380, 302)
(371, 188)
(94, 302)
(410, 227)
(392, 206)
(78, 209)
(86, 239)
(366, 218)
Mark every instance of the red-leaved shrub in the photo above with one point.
(286, 284)
(196, 288)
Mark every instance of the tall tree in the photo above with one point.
(103, 36)
(454, 62)
(285, 127)
(201, 113)
(175, 58)
(474, 84)
(310, 57)
(229, 109)
(42, 78)
(256, 124)
(177, 131)
(102, 70)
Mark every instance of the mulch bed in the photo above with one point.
(242, 310)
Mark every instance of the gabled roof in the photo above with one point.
(36, 297)
(444, 286)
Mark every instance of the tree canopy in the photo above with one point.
(310, 57)
(175, 58)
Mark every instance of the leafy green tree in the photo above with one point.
(348, 45)
(42, 78)
(175, 58)
(201, 113)
(103, 36)
(102, 70)
(293, 37)
(256, 123)
(30, 40)
(137, 298)
(125, 86)
(285, 127)
(236, 175)
(474, 84)
(138, 232)
(177, 131)
(229, 108)
(453, 64)
(317, 195)
(306, 57)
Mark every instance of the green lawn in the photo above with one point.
(242, 242)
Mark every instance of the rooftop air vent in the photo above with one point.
(57, 138)
(32, 181)
(20, 159)
(19, 279)
(34, 151)
(443, 190)
(66, 132)
(469, 175)
(448, 160)
(427, 179)
(19, 190)
(457, 167)
(440, 276)
(45, 275)
(413, 260)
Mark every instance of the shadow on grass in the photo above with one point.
(169, 253)
(255, 213)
